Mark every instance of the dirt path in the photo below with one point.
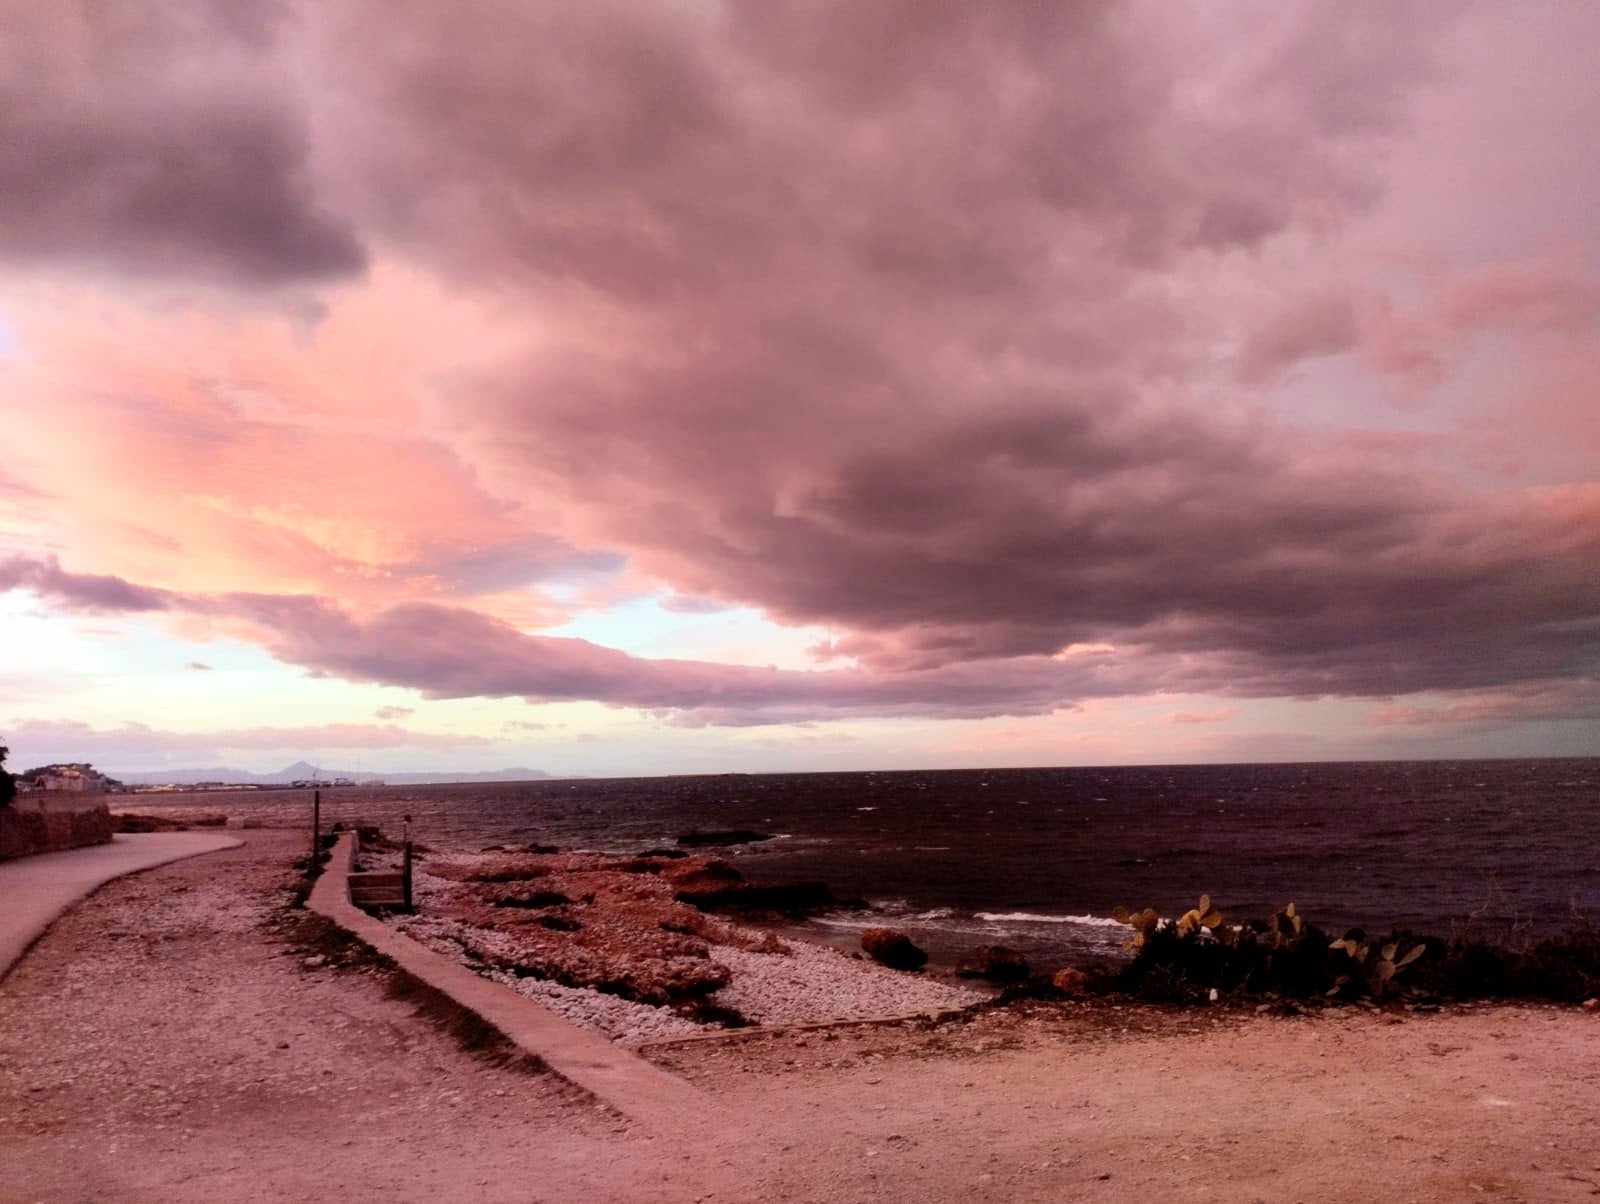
(1139, 1105)
(163, 1044)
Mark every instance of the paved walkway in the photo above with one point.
(35, 890)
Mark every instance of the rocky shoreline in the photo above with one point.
(630, 947)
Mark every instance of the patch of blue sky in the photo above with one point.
(739, 635)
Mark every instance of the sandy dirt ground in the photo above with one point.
(167, 1041)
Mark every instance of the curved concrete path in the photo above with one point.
(35, 890)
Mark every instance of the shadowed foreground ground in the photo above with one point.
(165, 1043)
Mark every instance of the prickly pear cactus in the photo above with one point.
(1143, 922)
(1284, 929)
(1384, 965)
(1202, 916)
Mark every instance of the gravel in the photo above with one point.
(815, 983)
(804, 983)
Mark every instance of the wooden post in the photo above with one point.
(316, 825)
(405, 865)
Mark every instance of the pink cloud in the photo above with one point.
(233, 453)
(1321, 325)
(686, 604)
(40, 740)
(1191, 717)
(452, 652)
(1564, 700)
(92, 593)
(1534, 296)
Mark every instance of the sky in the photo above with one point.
(632, 388)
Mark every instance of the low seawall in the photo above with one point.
(45, 823)
(620, 1078)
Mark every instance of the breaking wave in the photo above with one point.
(1028, 917)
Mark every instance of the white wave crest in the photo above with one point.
(1028, 917)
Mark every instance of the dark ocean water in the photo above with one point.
(1039, 857)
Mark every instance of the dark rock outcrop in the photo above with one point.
(790, 898)
(998, 963)
(697, 874)
(588, 919)
(732, 836)
(536, 899)
(893, 949)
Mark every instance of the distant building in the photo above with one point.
(74, 778)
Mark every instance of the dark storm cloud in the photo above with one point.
(161, 140)
(898, 359)
(451, 652)
(87, 592)
(886, 321)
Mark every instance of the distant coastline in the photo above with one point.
(304, 776)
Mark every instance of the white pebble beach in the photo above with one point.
(808, 983)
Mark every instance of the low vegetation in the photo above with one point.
(311, 867)
(1201, 957)
(128, 821)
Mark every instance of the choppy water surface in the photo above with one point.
(1038, 857)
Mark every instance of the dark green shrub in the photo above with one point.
(1282, 957)
(1561, 969)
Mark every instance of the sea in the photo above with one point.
(1038, 858)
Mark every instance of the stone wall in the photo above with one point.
(37, 823)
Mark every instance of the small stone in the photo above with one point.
(1591, 1005)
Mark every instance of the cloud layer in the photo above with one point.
(155, 142)
(453, 652)
(46, 741)
(1036, 353)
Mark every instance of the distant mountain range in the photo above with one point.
(300, 771)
